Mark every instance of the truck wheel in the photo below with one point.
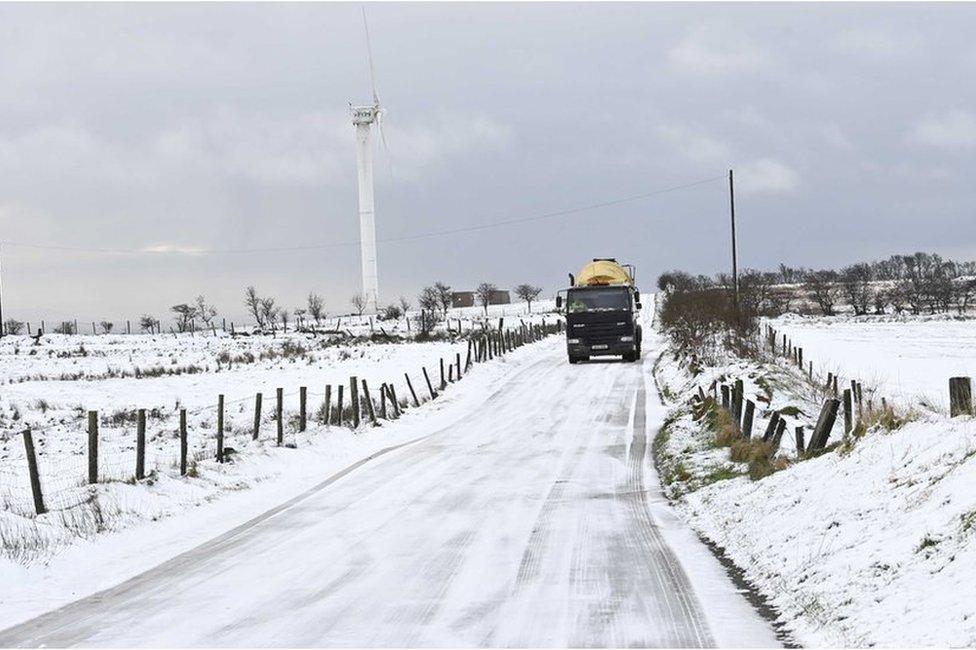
(573, 360)
(630, 357)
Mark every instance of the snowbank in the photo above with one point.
(871, 544)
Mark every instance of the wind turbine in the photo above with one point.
(363, 118)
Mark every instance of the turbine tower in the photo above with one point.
(363, 118)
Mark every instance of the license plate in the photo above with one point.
(600, 347)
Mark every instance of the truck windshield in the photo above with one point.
(584, 300)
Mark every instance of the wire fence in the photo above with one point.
(130, 446)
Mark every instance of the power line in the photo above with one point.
(389, 240)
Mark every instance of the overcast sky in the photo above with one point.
(181, 129)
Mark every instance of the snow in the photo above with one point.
(905, 358)
(51, 386)
(522, 510)
(871, 544)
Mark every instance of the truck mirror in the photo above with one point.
(559, 302)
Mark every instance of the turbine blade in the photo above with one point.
(369, 58)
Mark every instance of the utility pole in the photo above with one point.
(735, 260)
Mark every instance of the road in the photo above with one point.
(525, 524)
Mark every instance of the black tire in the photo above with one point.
(630, 357)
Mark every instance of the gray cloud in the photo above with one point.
(178, 130)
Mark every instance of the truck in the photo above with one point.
(602, 305)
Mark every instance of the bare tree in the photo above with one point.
(283, 315)
(106, 326)
(316, 307)
(822, 287)
(148, 323)
(855, 280)
(528, 293)
(443, 297)
(183, 314)
(299, 316)
(13, 326)
(358, 301)
(269, 312)
(484, 293)
(205, 312)
(391, 312)
(253, 303)
(404, 305)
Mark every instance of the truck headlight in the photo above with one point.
(572, 341)
(626, 339)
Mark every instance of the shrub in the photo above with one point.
(13, 326)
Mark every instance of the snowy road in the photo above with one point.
(529, 523)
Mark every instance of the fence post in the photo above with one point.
(725, 396)
(279, 415)
(339, 405)
(848, 415)
(93, 446)
(737, 402)
(413, 393)
(354, 401)
(383, 413)
(771, 427)
(467, 362)
(778, 436)
(302, 395)
(457, 362)
(430, 388)
(799, 441)
(747, 419)
(369, 403)
(960, 396)
(257, 417)
(35, 476)
(183, 442)
(220, 428)
(141, 445)
(327, 406)
(393, 398)
(443, 381)
(821, 432)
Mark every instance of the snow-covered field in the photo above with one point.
(49, 387)
(903, 357)
(871, 545)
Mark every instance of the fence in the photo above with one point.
(850, 400)
(116, 448)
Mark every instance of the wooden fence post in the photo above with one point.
(327, 407)
(413, 393)
(35, 476)
(457, 363)
(257, 417)
(279, 415)
(354, 401)
(799, 442)
(141, 445)
(220, 428)
(771, 427)
(183, 442)
(960, 396)
(383, 413)
(737, 402)
(430, 388)
(339, 409)
(393, 399)
(369, 403)
(821, 432)
(778, 436)
(302, 396)
(848, 415)
(725, 397)
(747, 419)
(93, 447)
(443, 381)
